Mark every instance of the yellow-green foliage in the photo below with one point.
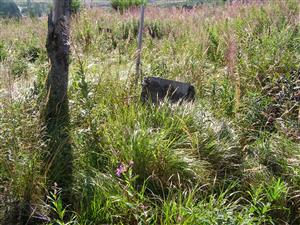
(122, 5)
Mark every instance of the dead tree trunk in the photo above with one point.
(56, 115)
(58, 46)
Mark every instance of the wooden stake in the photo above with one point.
(140, 41)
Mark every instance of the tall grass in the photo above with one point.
(231, 157)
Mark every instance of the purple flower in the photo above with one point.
(121, 169)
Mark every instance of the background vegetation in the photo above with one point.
(231, 157)
(122, 5)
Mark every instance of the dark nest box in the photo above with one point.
(156, 90)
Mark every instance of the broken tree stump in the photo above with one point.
(156, 90)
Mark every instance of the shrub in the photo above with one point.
(76, 5)
(122, 5)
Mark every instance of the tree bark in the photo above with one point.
(56, 115)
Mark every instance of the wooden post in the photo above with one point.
(140, 41)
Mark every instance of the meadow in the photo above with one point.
(230, 157)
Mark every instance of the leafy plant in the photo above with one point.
(19, 68)
(122, 5)
(75, 6)
(58, 210)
